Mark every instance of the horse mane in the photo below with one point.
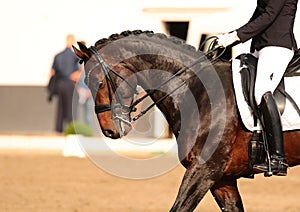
(181, 43)
(123, 34)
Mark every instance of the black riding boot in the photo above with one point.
(270, 118)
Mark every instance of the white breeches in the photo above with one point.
(272, 63)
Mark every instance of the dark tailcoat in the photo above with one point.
(271, 25)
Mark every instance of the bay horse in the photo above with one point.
(197, 98)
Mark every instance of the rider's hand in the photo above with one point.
(227, 39)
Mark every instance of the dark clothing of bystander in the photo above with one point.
(64, 64)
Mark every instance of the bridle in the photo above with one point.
(122, 111)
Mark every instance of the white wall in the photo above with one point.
(32, 31)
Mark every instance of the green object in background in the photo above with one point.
(78, 128)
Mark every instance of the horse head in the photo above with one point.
(113, 88)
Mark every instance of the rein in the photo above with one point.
(127, 109)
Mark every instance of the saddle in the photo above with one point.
(248, 77)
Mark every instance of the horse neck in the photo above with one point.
(176, 98)
(155, 62)
(203, 101)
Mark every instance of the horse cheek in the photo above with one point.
(105, 121)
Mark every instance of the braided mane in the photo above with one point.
(104, 41)
(123, 34)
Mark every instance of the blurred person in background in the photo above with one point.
(67, 69)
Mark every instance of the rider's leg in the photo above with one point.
(270, 120)
(272, 63)
(271, 66)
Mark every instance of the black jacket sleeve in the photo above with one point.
(261, 19)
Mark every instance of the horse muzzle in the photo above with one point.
(121, 128)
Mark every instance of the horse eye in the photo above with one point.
(100, 84)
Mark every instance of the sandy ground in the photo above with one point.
(46, 181)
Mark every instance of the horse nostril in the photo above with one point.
(111, 134)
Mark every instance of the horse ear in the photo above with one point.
(83, 47)
(77, 52)
(84, 53)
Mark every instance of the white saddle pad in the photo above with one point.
(290, 118)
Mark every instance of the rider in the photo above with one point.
(273, 43)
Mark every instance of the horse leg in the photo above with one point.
(197, 180)
(227, 195)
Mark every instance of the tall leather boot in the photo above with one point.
(270, 118)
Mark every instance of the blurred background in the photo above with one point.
(33, 31)
(33, 174)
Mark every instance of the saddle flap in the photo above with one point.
(248, 76)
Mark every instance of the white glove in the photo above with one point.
(227, 39)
